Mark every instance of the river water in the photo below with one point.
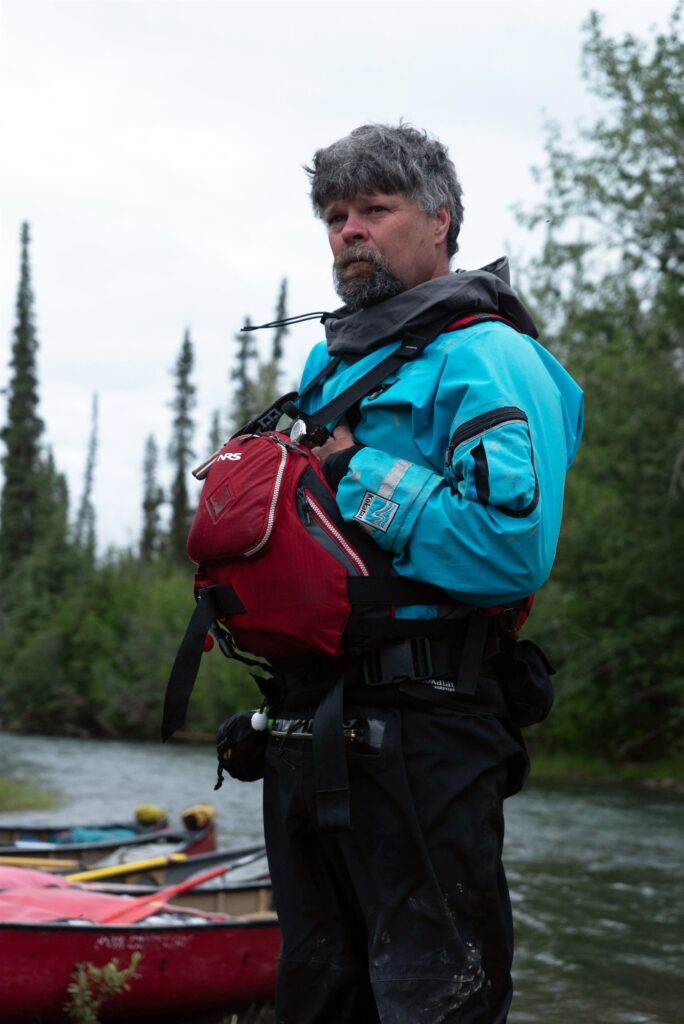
(596, 873)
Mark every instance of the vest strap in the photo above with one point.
(330, 763)
(212, 604)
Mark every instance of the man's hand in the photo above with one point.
(340, 439)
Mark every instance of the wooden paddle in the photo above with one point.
(132, 867)
(96, 874)
(40, 863)
(143, 906)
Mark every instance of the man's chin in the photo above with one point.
(362, 285)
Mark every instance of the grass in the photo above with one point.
(16, 795)
(568, 767)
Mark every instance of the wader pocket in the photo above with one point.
(241, 749)
(527, 681)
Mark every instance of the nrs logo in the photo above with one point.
(231, 456)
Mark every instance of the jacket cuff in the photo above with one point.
(337, 464)
(385, 495)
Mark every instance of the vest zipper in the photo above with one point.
(274, 501)
(338, 537)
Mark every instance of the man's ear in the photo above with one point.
(442, 224)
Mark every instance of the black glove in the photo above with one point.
(241, 749)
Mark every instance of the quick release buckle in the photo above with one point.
(508, 621)
(398, 662)
(309, 435)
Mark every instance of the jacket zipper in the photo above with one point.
(337, 536)
(482, 424)
(274, 501)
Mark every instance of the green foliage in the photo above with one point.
(18, 795)
(93, 657)
(608, 289)
(244, 401)
(282, 330)
(151, 539)
(257, 382)
(181, 451)
(22, 433)
(93, 986)
(84, 528)
(621, 180)
(86, 645)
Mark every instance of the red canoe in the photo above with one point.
(191, 962)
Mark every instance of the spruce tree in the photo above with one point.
(267, 388)
(153, 498)
(217, 435)
(84, 527)
(283, 330)
(244, 404)
(263, 387)
(23, 429)
(180, 451)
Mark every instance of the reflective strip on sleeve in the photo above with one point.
(393, 478)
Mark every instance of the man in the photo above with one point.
(454, 466)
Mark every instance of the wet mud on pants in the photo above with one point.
(406, 918)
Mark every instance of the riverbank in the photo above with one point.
(17, 795)
(665, 776)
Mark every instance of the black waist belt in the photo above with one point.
(417, 658)
(392, 663)
(362, 735)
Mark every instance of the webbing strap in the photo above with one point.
(398, 590)
(396, 629)
(331, 774)
(268, 419)
(473, 650)
(212, 603)
(410, 348)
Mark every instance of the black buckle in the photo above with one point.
(508, 621)
(223, 639)
(398, 662)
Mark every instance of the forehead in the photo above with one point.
(374, 196)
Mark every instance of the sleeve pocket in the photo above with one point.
(490, 460)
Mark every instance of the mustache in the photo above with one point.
(360, 252)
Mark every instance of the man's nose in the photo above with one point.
(354, 229)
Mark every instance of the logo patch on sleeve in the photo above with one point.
(376, 511)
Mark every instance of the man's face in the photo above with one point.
(383, 245)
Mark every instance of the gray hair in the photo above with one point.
(384, 158)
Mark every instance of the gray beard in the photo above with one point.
(363, 290)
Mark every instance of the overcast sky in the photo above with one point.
(156, 149)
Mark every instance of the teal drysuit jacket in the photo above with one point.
(466, 448)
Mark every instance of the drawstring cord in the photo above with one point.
(321, 315)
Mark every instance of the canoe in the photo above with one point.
(244, 888)
(243, 898)
(244, 862)
(84, 845)
(190, 962)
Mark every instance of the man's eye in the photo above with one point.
(377, 209)
(337, 218)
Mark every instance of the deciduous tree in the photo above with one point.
(608, 287)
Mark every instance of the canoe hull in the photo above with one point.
(245, 898)
(184, 968)
(88, 854)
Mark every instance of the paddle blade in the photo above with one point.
(144, 906)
